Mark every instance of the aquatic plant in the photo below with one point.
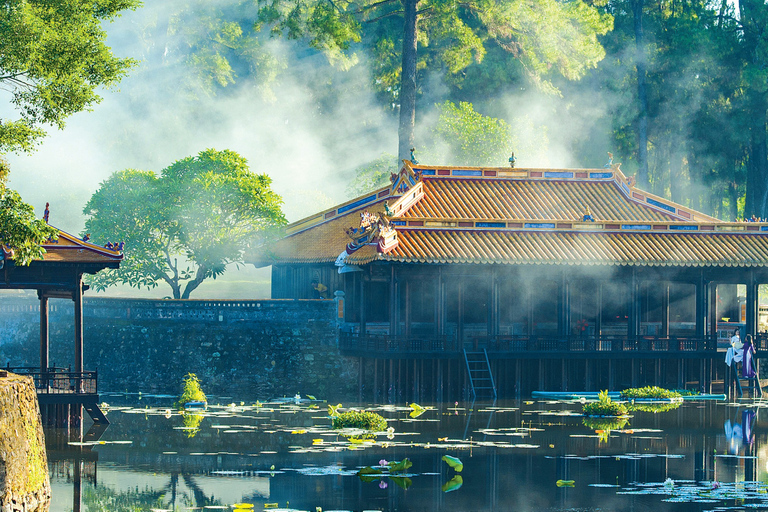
(604, 406)
(655, 408)
(360, 419)
(650, 392)
(190, 391)
(605, 424)
(191, 423)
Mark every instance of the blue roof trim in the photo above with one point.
(490, 224)
(539, 225)
(684, 228)
(558, 174)
(635, 226)
(428, 172)
(466, 172)
(397, 222)
(660, 204)
(360, 202)
(601, 175)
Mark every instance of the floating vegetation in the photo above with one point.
(604, 407)
(360, 420)
(703, 492)
(650, 392)
(191, 393)
(605, 424)
(654, 407)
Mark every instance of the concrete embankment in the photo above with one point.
(24, 482)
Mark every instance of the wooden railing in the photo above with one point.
(380, 343)
(56, 381)
(383, 343)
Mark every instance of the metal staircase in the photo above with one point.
(479, 370)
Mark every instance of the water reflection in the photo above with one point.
(283, 454)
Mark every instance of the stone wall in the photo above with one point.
(24, 481)
(243, 349)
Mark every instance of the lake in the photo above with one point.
(516, 455)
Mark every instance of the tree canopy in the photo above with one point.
(185, 225)
(53, 57)
(20, 231)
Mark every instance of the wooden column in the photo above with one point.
(77, 297)
(633, 325)
(701, 306)
(493, 317)
(599, 312)
(394, 302)
(564, 306)
(713, 311)
(362, 300)
(752, 298)
(44, 334)
(407, 288)
(439, 303)
(664, 309)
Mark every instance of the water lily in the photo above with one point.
(383, 462)
(383, 484)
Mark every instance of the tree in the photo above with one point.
(53, 57)
(546, 36)
(19, 229)
(185, 225)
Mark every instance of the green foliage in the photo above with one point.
(53, 57)
(20, 229)
(365, 420)
(201, 214)
(191, 391)
(372, 175)
(472, 138)
(604, 407)
(650, 392)
(454, 462)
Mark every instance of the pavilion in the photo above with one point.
(59, 275)
(561, 277)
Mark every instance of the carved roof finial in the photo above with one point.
(46, 213)
(610, 161)
(512, 160)
(587, 216)
(413, 158)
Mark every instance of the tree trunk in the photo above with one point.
(200, 276)
(408, 81)
(757, 166)
(642, 94)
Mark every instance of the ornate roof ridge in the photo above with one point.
(79, 243)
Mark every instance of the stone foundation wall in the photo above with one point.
(243, 349)
(24, 482)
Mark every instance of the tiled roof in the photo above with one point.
(525, 216)
(322, 243)
(70, 249)
(528, 199)
(574, 248)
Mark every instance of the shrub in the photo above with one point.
(604, 407)
(649, 392)
(191, 390)
(360, 419)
